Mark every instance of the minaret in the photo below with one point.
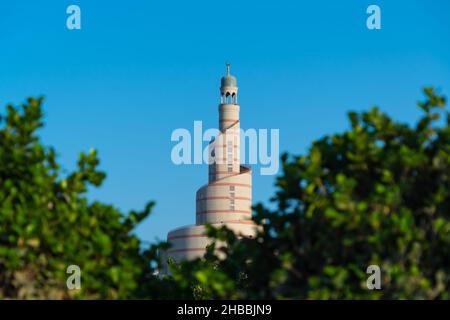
(227, 152)
(226, 198)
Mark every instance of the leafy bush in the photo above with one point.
(378, 194)
(47, 224)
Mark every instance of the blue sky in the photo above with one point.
(137, 70)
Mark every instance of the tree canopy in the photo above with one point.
(47, 223)
(376, 194)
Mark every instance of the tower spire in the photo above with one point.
(228, 88)
(227, 197)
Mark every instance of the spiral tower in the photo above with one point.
(227, 197)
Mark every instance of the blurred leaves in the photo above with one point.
(378, 193)
(47, 224)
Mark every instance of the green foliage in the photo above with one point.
(376, 194)
(47, 224)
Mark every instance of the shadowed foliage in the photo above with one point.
(47, 224)
(377, 194)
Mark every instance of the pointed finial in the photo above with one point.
(228, 69)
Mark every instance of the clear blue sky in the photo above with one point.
(139, 69)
